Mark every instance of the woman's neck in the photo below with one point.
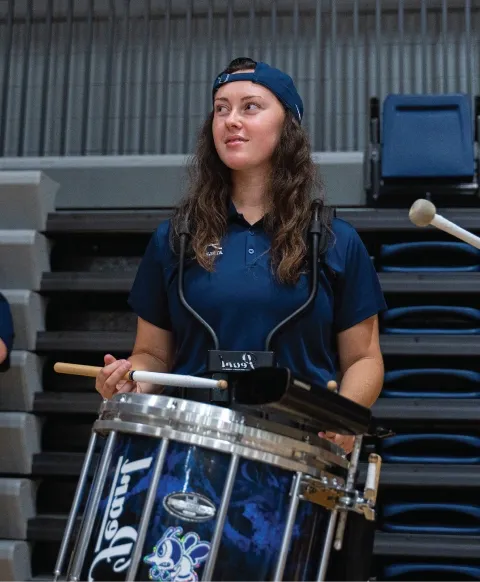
(248, 194)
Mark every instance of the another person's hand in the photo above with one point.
(342, 440)
(3, 351)
(110, 379)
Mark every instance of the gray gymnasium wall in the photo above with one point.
(119, 87)
(96, 77)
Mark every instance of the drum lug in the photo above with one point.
(324, 491)
(329, 493)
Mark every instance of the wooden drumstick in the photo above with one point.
(162, 379)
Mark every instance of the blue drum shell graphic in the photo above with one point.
(184, 516)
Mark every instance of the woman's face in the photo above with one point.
(247, 124)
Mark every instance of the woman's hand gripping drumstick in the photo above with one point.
(117, 377)
(113, 378)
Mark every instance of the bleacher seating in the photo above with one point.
(93, 260)
(423, 146)
(26, 198)
(79, 313)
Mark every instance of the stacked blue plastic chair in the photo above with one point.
(426, 148)
(422, 146)
(437, 572)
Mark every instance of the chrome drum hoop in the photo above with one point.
(223, 424)
(316, 468)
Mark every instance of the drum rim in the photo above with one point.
(240, 417)
(320, 471)
(228, 425)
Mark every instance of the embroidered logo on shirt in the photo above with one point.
(213, 250)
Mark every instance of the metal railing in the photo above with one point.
(98, 77)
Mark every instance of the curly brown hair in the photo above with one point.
(289, 196)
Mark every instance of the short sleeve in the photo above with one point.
(148, 296)
(359, 294)
(6, 328)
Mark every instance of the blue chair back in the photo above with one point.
(427, 136)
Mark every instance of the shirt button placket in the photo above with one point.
(250, 248)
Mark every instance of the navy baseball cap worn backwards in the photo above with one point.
(278, 82)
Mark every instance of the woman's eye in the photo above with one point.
(252, 106)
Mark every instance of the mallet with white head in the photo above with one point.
(423, 213)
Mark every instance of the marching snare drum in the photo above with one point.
(186, 491)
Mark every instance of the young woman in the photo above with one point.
(248, 208)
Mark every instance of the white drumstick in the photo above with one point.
(140, 376)
(176, 380)
(423, 213)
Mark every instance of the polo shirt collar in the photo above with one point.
(233, 215)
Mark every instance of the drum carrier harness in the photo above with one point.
(318, 245)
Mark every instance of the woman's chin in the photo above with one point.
(239, 162)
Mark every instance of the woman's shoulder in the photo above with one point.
(163, 229)
(161, 235)
(343, 229)
(344, 234)
(159, 247)
(344, 239)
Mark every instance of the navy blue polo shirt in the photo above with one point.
(6, 329)
(242, 301)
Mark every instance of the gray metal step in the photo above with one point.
(15, 560)
(127, 221)
(97, 282)
(60, 464)
(28, 310)
(385, 409)
(421, 345)
(47, 528)
(19, 432)
(392, 475)
(84, 341)
(26, 199)
(426, 409)
(17, 506)
(423, 475)
(427, 546)
(67, 402)
(362, 219)
(430, 345)
(400, 283)
(121, 282)
(19, 384)
(24, 256)
(51, 528)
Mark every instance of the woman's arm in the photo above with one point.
(361, 362)
(361, 369)
(3, 351)
(153, 352)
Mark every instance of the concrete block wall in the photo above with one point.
(26, 198)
